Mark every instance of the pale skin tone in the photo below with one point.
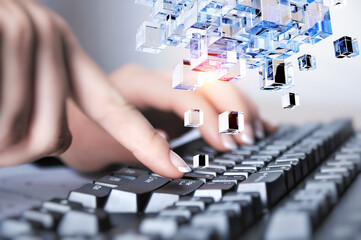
(56, 101)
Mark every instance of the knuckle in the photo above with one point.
(45, 25)
(53, 145)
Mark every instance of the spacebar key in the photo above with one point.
(271, 187)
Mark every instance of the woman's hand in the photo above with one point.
(42, 66)
(147, 89)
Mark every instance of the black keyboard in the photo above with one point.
(283, 187)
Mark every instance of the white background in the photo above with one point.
(106, 29)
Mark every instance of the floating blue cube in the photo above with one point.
(307, 62)
(346, 47)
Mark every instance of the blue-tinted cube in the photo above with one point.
(276, 75)
(346, 47)
(307, 62)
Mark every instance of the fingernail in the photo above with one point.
(229, 142)
(178, 162)
(259, 129)
(247, 136)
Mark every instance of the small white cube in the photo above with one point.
(290, 100)
(200, 161)
(193, 118)
(231, 122)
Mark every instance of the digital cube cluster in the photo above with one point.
(227, 36)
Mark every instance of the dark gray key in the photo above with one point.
(88, 222)
(295, 165)
(133, 196)
(270, 186)
(332, 187)
(130, 173)
(195, 233)
(250, 168)
(164, 227)
(285, 225)
(170, 193)
(273, 153)
(236, 172)
(287, 171)
(200, 202)
(258, 163)
(90, 195)
(110, 181)
(11, 228)
(184, 212)
(252, 198)
(234, 179)
(198, 176)
(61, 205)
(265, 158)
(214, 189)
(211, 171)
(226, 225)
(48, 220)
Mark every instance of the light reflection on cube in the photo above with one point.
(193, 118)
(307, 62)
(184, 78)
(346, 47)
(276, 75)
(290, 101)
(231, 122)
(200, 161)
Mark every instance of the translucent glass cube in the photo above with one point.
(184, 78)
(236, 72)
(200, 161)
(275, 18)
(338, 3)
(193, 118)
(150, 37)
(307, 62)
(231, 122)
(290, 100)
(346, 47)
(276, 75)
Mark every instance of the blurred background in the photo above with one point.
(107, 29)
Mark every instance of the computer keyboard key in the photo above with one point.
(164, 227)
(252, 198)
(226, 225)
(170, 193)
(200, 202)
(48, 220)
(195, 233)
(333, 188)
(237, 172)
(90, 195)
(184, 212)
(270, 186)
(285, 225)
(287, 171)
(228, 163)
(265, 158)
(214, 189)
(131, 235)
(234, 179)
(11, 228)
(198, 176)
(132, 197)
(110, 181)
(249, 168)
(88, 222)
(295, 165)
(130, 173)
(61, 205)
(210, 171)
